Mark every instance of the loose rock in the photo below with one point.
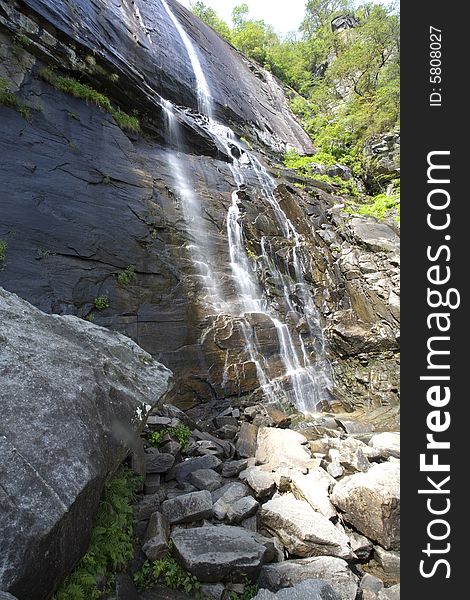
(190, 507)
(303, 531)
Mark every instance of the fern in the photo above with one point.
(111, 546)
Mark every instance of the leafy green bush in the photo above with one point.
(126, 277)
(171, 574)
(380, 206)
(111, 545)
(180, 433)
(101, 302)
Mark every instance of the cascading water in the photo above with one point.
(204, 96)
(304, 382)
(200, 249)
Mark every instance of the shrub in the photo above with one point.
(101, 302)
(180, 433)
(111, 545)
(380, 206)
(127, 276)
(171, 574)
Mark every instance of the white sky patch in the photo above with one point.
(284, 15)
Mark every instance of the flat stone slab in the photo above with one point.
(303, 531)
(189, 507)
(219, 553)
(311, 589)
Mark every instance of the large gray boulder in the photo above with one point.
(310, 589)
(371, 503)
(73, 397)
(302, 530)
(326, 568)
(220, 553)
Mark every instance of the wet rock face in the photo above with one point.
(82, 202)
(73, 397)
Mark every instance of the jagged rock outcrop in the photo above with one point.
(73, 401)
(83, 201)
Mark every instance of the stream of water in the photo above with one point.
(304, 382)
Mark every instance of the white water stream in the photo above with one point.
(305, 382)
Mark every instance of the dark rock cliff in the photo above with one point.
(82, 201)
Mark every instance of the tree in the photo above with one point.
(211, 18)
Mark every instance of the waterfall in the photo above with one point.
(200, 250)
(204, 96)
(304, 382)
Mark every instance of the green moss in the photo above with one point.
(75, 88)
(8, 98)
(111, 545)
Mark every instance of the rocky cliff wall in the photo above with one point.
(82, 201)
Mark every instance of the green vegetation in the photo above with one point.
(304, 166)
(3, 252)
(344, 84)
(379, 206)
(75, 88)
(111, 545)
(43, 253)
(171, 574)
(8, 98)
(180, 433)
(126, 277)
(101, 302)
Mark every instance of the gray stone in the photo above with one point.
(156, 537)
(303, 531)
(189, 507)
(174, 489)
(360, 545)
(391, 593)
(261, 482)
(247, 439)
(310, 589)
(7, 596)
(389, 561)
(313, 488)
(158, 462)
(206, 479)
(156, 423)
(124, 588)
(171, 447)
(291, 572)
(213, 591)
(388, 444)
(204, 447)
(152, 484)
(231, 492)
(351, 454)
(281, 446)
(233, 468)
(220, 553)
(229, 496)
(144, 509)
(371, 503)
(184, 469)
(242, 509)
(88, 390)
(370, 587)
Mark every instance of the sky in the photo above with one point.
(283, 15)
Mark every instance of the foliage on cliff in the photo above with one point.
(344, 80)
